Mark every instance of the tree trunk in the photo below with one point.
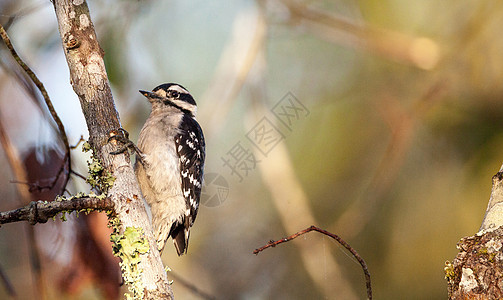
(89, 81)
(477, 270)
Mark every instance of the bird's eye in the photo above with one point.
(174, 94)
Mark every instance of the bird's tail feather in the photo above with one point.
(180, 239)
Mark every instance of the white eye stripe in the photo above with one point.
(178, 89)
(190, 107)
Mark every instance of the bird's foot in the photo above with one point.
(122, 136)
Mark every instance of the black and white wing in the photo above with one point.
(190, 148)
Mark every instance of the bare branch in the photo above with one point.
(48, 102)
(335, 237)
(78, 175)
(81, 140)
(41, 211)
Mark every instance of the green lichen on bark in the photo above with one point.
(77, 196)
(449, 270)
(129, 246)
(99, 177)
(477, 270)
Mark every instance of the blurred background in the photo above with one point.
(379, 121)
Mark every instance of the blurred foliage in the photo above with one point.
(403, 131)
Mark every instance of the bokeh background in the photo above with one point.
(397, 136)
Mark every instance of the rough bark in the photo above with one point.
(42, 211)
(477, 270)
(89, 81)
(494, 213)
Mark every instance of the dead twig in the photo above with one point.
(41, 211)
(81, 140)
(78, 175)
(335, 237)
(50, 107)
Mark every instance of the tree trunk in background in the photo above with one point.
(90, 82)
(477, 270)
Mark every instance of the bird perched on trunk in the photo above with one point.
(170, 163)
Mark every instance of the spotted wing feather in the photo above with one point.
(190, 147)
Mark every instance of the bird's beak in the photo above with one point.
(147, 94)
(150, 96)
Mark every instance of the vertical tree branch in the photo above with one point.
(494, 213)
(61, 128)
(477, 270)
(90, 82)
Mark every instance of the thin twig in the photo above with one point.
(78, 175)
(48, 102)
(78, 142)
(31, 90)
(335, 237)
(41, 211)
(34, 186)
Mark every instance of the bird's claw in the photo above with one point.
(121, 136)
